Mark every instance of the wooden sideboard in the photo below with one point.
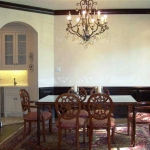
(138, 93)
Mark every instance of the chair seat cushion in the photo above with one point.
(102, 123)
(71, 123)
(141, 117)
(33, 116)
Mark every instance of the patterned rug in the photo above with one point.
(122, 140)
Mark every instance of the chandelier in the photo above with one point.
(89, 23)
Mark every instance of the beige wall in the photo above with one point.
(122, 59)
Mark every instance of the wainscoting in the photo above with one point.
(138, 93)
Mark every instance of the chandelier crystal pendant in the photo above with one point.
(90, 24)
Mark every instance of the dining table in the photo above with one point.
(118, 100)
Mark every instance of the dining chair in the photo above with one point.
(142, 115)
(93, 91)
(105, 91)
(82, 97)
(30, 116)
(68, 107)
(100, 107)
(82, 94)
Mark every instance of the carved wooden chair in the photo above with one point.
(105, 91)
(93, 91)
(100, 107)
(31, 116)
(142, 115)
(68, 107)
(82, 94)
(82, 97)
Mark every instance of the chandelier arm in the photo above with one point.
(72, 31)
(103, 29)
(91, 4)
(82, 3)
(93, 31)
(75, 34)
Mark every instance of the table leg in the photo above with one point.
(38, 125)
(133, 127)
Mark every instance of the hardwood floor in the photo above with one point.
(10, 125)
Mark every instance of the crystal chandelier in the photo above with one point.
(90, 24)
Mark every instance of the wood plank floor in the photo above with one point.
(10, 125)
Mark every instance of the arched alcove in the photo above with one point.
(31, 53)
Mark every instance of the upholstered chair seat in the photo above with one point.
(71, 123)
(33, 116)
(142, 115)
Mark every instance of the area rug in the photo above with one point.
(122, 140)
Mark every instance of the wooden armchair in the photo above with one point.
(31, 116)
(68, 107)
(142, 115)
(100, 108)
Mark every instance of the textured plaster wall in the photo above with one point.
(122, 59)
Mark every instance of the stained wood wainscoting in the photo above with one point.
(138, 93)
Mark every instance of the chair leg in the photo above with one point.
(29, 128)
(90, 137)
(108, 137)
(50, 125)
(77, 138)
(59, 137)
(128, 126)
(131, 132)
(24, 132)
(43, 129)
(84, 133)
(113, 133)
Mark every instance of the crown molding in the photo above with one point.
(65, 12)
(107, 11)
(26, 8)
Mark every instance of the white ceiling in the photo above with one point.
(71, 4)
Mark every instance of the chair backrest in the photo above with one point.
(93, 91)
(70, 91)
(143, 106)
(25, 100)
(82, 94)
(105, 91)
(67, 106)
(99, 106)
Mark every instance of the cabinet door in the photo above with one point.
(10, 104)
(18, 107)
(14, 50)
(21, 49)
(8, 49)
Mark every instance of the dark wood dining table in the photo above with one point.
(118, 100)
